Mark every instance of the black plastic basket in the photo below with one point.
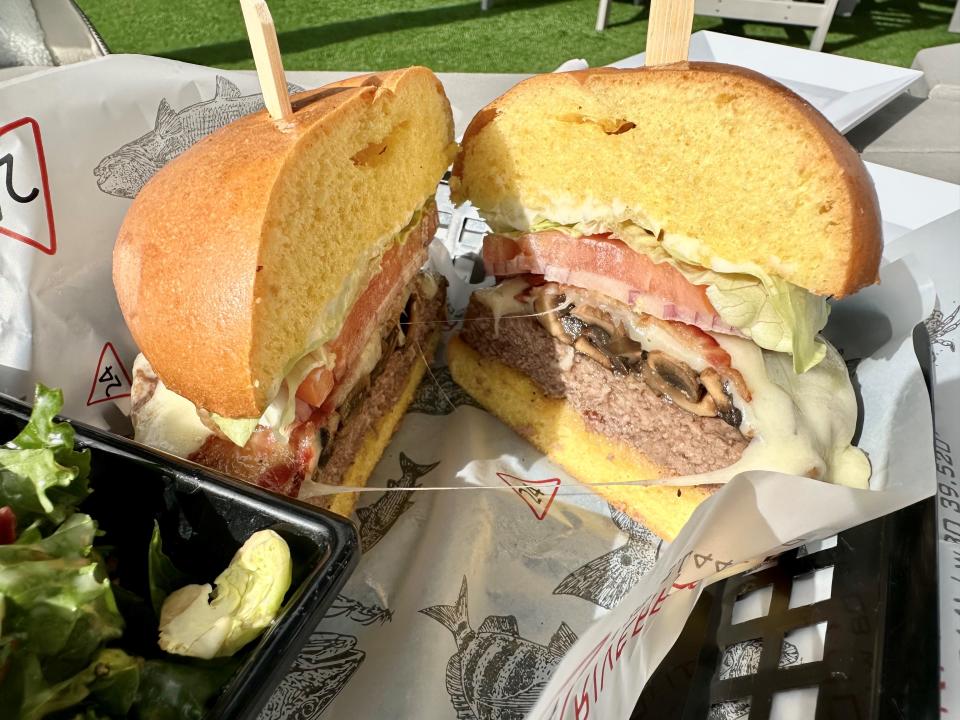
(880, 655)
(881, 646)
(204, 517)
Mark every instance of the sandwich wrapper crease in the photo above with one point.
(531, 600)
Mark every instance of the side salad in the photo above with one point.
(62, 619)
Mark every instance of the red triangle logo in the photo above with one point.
(111, 380)
(26, 213)
(537, 494)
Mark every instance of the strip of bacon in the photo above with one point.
(267, 459)
(608, 266)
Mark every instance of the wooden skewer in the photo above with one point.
(668, 33)
(266, 56)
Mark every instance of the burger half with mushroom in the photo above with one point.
(271, 276)
(664, 242)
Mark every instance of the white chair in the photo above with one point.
(817, 15)
(38, 34)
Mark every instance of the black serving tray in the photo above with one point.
(204, 517)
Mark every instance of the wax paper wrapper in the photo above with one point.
(936, 250)
(520, 593)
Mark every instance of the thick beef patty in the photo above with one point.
(618, 406)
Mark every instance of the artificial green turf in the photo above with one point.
(514, 36)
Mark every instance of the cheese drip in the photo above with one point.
(167, 421)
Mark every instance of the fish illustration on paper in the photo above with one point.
(355, 610)
(123, 172)
(940, 325)
(438, 394)
(606, 579)
(377, 518)
(495, 674)
(317, 676)
(738, 660)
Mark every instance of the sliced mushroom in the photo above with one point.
(572, 326)
(325, 436)
(735, 379)
(388, 343)
(326, 447)
(725, 408)
(353, 400)
(676, 373)
(597, 318)
(599, 353)
(597, 335)
(677, 381)
(548, 303)
(630, 351)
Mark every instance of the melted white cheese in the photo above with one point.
(501, 299)
(802, 424)
(167, 421)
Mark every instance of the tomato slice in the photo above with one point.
(364, 317)
(316, 386)
(8, 525)
(608, 266)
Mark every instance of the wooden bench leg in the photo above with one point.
(820, 34)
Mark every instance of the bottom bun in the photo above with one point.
(555, 428)
(377, 438)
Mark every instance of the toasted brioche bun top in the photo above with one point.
(715, 153)
(234, 251)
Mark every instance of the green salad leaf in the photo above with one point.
(181, 690)
(204, 622)
(775, 314)
(163, 575)
(58, 609)
(57, 602)
(110, 681)
(41, 476)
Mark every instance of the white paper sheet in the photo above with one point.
(533, 567)
(936, 250)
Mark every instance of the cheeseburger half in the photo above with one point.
(664, 243)
(271, 276)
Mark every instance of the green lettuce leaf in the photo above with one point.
(59, 605)
(73, 539)
(237, 430)
(775, 314)
(109, 682)
(163, 575)
(181, 690)
(41, 476)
